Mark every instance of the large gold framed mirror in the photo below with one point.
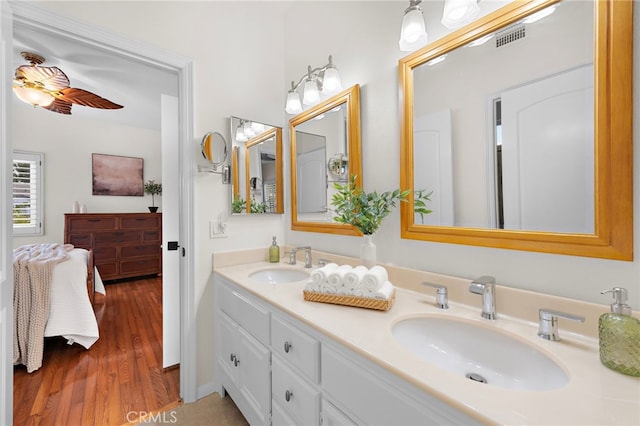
(524, 139)
(325, 148)
(257, 168)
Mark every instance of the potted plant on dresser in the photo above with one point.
(152, 188)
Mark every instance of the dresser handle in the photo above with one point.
(95, 220)
(287, 346)
(288, 395)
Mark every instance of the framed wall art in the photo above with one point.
(117, 175)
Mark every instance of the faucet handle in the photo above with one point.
(442, 300)
(323, 262)
(292, 256)
(548, 327)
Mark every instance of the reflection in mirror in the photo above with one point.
(507, 121)
(325, 148)
(214, 148)
(256, 160)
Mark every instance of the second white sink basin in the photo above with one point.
(279, 275)
(479, 353)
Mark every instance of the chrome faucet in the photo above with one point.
(485, 286)
(442, 301)
(548, 327)
(307, 256)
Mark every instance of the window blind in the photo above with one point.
(27, 193)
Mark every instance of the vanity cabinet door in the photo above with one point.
(227, 351)
(331, 416)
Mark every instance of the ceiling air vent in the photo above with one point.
(509, 34)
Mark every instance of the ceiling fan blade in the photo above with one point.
(60, 106)
(85, 98)
(52, 78)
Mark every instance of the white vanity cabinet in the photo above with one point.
(311, 379)
(243, 356)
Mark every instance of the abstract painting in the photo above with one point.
(117, 175)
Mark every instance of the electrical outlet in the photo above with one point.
(217, 229)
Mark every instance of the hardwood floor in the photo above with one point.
(118, 379)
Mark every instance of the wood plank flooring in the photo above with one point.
(119, 378)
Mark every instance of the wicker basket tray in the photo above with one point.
(359, 302)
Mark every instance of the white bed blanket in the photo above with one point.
(71, 314)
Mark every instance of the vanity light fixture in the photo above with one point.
(457, 13)
(413, 33)
(318, 82)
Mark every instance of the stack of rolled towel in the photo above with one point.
(349, 281)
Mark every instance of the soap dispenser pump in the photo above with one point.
(274, 252)
(619, 334)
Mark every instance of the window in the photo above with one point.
(28, 194)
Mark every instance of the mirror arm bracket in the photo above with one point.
(226, 172)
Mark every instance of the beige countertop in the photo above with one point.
(594, 394)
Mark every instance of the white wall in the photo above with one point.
(245, 54)
(363, 42)
(67, 143)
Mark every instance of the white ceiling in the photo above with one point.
(126, 82)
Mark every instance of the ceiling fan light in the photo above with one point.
(33, 96)
(457, 13)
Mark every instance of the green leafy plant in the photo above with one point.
(238, 205)
(257, 207)
(365, 211)
(152, 188)
(420, 203)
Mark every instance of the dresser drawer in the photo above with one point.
(116, 237)
(298, 398)
(107, 270)
(101, 254)
(147, 221)
(296, 347)
(144, 266)
(88, 223)
(82, 240)
(137, 251)
(151, 236)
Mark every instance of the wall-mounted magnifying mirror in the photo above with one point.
(256, 163)
(325, 148)
(521, 126)
(214, 150)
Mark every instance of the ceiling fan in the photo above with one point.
(48, 87)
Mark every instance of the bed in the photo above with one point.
(54, 290)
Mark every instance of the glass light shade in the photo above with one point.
(257, 127)
(294, 106)
(331, 83)
(311, 95)
(457, 13)
(33, 96)
(413, 33)
(240, 136)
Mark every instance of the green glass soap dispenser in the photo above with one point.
(619, 334)
(274, 252)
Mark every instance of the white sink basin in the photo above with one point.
(479, 353)
(278, 275)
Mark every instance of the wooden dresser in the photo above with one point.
(124, 244)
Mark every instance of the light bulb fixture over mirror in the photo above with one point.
(457, 13)
(413, 32)
(319, 83)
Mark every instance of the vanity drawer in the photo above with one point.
(296, 347)
(303, 402)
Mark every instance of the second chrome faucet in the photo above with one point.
(486, 287)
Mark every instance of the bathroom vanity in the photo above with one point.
(284, 360)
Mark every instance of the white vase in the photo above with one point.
(368, 252)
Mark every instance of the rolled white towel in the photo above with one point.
(361, 292)
(353, 278)
(383, 292)
(320, 275)
(343, 291)
(328, 288)
(374, 278)
(311, 286)
(336, 277)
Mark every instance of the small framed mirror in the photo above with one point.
(257, 168)
(214, 148)
(325, 148)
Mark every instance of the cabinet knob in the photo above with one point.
(287, 346)
(288, 395)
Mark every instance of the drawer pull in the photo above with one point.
(236, 362)
(95, 220)
(287, 346)
(232, 357)
(288, 395)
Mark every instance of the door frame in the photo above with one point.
(25, 14)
